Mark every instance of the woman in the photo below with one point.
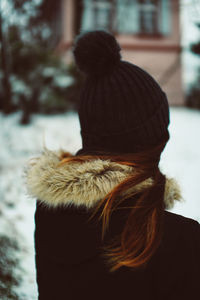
(102, 231)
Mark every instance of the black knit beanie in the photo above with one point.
(122, 108)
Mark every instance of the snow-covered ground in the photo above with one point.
(181, 159)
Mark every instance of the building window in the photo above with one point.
(98, 14)
(149, 12)
(145, 17)
(102, 14)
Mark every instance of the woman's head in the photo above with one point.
(124, 112)
(122, 108)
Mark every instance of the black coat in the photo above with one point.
(69, 260)
(70, 266)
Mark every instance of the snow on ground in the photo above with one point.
(18, 144)
(181, 159)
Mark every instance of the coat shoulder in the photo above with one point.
(183, 226)
(179, 219)
(178, 259)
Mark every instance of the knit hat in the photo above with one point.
(122, 108)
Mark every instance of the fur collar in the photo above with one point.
(82, 184)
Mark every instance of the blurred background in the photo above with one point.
(39, 91)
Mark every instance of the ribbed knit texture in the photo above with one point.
(124, 110)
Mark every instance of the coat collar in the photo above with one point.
(82, 184)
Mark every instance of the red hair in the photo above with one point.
(142, 231)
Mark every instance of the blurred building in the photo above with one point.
(147, 30)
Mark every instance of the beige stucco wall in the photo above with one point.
(67, 31)
(67, 20)
(165, 67)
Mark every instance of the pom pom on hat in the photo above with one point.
(96, 52)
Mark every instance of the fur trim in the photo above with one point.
(82, 184)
